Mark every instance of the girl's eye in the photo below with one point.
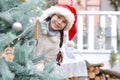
(59, 17)
(64, 21)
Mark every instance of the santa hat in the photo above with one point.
(68, 12)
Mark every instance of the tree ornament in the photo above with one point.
(8, 54)
(37, 31)
(22, 1)
(17, 26)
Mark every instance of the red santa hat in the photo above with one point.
(68, 12)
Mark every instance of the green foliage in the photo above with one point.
(23, 52)
(115, 4)
(48, 73)
(7, 4)
(6, 39)
(9, 37)
(21, 12)
(113, 58)
(4, 71)
(23, 66)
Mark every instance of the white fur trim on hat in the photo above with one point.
(62, 11)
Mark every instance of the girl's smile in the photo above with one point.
(58, 22)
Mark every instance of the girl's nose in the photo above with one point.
(59, 21)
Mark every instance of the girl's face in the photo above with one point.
(58, 22)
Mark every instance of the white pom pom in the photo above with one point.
(70, 43)
(17, 26)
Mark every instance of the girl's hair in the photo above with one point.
(59, 55)
(49, 18)
(61, 38)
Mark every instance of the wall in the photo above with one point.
(105, 6)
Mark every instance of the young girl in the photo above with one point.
(54, 21)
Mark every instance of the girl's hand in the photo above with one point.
(40, 67)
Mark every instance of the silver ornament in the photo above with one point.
(17, 26)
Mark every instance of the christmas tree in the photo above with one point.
(17, 44)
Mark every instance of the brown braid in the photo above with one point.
(61, 38)
(59, 55)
